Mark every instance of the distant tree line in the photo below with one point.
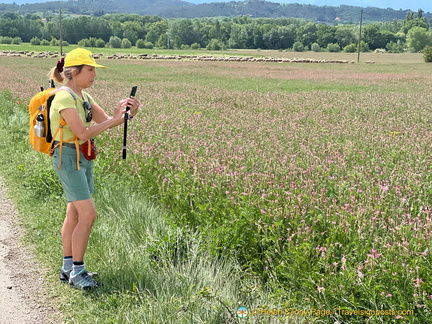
(412, 33)
(184, 9)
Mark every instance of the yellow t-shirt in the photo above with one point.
(62, 100)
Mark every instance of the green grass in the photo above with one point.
(272, 186)
(152, 272)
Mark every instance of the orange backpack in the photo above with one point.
(41, 138)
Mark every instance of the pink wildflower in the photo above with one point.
(418, 282)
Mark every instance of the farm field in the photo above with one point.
(314, 178)
(394, 58)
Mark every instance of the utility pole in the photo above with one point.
(61, 34)
(360, 36)
(168, 40)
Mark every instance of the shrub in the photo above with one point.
(54, 42)
(35, 41)
(92, 42)
(115, 42)
(364, 47)
(148, 45)
(427, 54)
(315, 47)
(6, 40)
(83, 43)
(100, 43)
(140, 43)
(162, 41)
(351, 48)
(16, 40)
(45, 42)
(195, 46)
(216, 45)
(298, 47)
(333, 48)
(126, 43)
(418, 38)
(395, 47)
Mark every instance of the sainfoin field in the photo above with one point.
(317, 177)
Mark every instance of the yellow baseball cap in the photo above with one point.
(80, 56)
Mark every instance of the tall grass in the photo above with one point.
(151, 271)
(317, 190)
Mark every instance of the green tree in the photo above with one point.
(100, 43)
(236, 40)
(326, 35)
(115, 42)
(152, 36)
(411, 22)
(287, 36)
(216, 45)
(315, 47)
(140, 43)
(126, 43)
(395, 47)
(418, 38)
(35, 41)
(351, 48)
(345, 35)
(132, 30)
(333, 48)
(377, 38)
(271, 39)
(427, 54)
(215, 31)
(308, 34)
(364, 47)
(298, 47)
(75, 29)
(16, 40)
(162, 41)
(5, 40)
(182, 32)
(148, 45)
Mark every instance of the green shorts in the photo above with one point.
(77, 184)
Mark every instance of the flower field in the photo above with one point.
(317, 177)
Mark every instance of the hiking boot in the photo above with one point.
(83, 281)
(64, 275)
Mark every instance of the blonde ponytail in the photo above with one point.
(55, 75)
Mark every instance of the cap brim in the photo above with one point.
(98, 65)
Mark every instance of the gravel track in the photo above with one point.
(23, 293)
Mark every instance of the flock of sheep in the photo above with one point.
(180, 57)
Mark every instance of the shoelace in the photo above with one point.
(86, 280)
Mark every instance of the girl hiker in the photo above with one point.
(78, 109)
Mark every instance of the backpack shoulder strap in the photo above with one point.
(60, 129)
(68, 90)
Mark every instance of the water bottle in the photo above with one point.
(39, 128)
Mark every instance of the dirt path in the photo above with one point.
(22, 297)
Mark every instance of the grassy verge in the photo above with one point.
(151, 271)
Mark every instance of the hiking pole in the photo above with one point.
(126, 118)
